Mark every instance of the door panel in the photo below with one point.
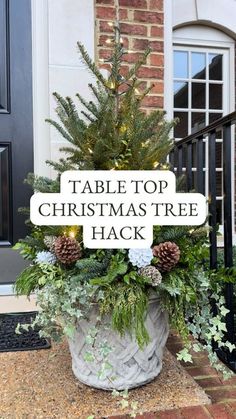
(16, 131)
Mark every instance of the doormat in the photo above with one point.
(29, 340)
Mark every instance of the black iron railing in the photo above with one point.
(195, 156)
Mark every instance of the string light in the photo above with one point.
(72, 234)
(155, 164)
(110, 24)
(91, 151)
(109, 41)
(136, 91)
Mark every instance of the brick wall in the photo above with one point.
(141, 26)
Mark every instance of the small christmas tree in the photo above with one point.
(112, 131)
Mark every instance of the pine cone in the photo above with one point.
(49, 241)
(152, 273)
(67, 250)
(168, 255)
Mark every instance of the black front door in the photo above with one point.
(16, 131)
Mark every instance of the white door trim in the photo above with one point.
(40, 74)
(41, 82)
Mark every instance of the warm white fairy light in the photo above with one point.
(155, 164)
(72, 234)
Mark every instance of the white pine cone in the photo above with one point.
(49, 241)
(152, 273)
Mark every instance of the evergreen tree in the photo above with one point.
(112, 132)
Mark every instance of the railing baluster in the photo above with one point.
(212, 199)
(228, 246)
(189, 142)
(180, 160)
(172, 158)
(189, 167)
(200, 175)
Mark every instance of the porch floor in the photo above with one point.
(40, 384)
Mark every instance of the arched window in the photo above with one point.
(203, 87)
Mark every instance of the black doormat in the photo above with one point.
(27, 340)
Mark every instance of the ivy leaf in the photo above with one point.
(88, 357)
(124, 404)
(224, 311)
(69, 330)
(184, 355)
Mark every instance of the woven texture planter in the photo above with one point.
(131, 366)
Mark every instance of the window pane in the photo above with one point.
(198, 65)
(198, 95)
(180, 64)
(215, 66)
(198, 121)
(180, 95)
(215, 96)
(214, 116)
(181, 129)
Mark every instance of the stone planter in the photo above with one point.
(131, 366)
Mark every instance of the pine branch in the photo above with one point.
(91, 65)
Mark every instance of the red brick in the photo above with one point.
(170, 414)
(195, 412)
(132, 57)
(124, 70)
(105, 12)
(150, 73)
(157, 46)
(221, 394)
(130, 29)
(137, 4)
(202, 371)
(232, 406)
(105, 27)
(110, 2)
(105, 66)
(231, 381)
(219, 411)
(104, 38)
(153, 102)
(157, 60)
(209, 382)
(123, 14)
(200, 361)
(142, 44)
(105, 53)
(158, 87)
(148, 17)
(156, 5)
(147, 416)
(157, 31)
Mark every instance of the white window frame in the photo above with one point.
(198, 36)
